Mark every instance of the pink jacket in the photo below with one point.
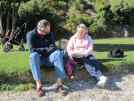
(86, 44)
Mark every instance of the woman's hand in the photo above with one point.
(81, 52)
(77, 53)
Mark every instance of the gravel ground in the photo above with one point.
(120, 87)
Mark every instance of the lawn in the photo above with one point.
(103, 46)
(15, 64)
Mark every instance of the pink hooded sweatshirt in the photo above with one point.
(76, 43)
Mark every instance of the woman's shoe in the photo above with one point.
(102, 81)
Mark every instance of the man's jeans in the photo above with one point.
(55, 59)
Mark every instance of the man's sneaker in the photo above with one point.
(62, 88)
(102, 82)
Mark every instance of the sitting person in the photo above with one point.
(80, 49)
(43, 51)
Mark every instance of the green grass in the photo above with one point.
(16, 87)
(126, 44)
(103, 46)
(129, 41)
(14, 62)
(14, 66)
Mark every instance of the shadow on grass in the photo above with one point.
(108, 47)
(115, 78)
(109, 60)
(16, 81)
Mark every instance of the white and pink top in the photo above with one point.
(76, 43)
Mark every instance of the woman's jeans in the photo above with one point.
(91, 64)
(55, 59)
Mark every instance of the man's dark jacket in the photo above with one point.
(42, 44)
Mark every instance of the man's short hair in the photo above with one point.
(82, 25)
(42, 23)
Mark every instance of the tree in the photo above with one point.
(2, 6)
(9, 12)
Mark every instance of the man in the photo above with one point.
(43, 51)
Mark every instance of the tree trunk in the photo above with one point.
(13, 21)
(7, 22)
(126, 33)
(1, 27)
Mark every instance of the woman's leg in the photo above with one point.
(93, 67)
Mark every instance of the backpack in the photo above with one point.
(116, 53)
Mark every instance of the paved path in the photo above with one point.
(120, 87)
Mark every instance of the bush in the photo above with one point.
(65, 15)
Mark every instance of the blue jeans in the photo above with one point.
(93, 67)
(55, 59)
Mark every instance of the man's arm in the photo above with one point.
(52, 47)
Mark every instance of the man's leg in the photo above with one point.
(56, 58)
(35, 67)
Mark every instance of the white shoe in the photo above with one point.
(102, 82)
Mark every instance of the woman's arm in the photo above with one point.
(70, 47)
(72, 52)
(86, 51)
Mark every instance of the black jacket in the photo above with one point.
(44, 45)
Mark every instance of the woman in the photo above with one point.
(80, 48)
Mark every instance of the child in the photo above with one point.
(80, 47)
